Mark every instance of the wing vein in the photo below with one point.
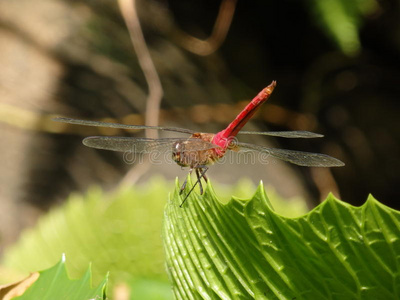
(305, 159)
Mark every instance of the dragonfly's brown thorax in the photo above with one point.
(193, 154)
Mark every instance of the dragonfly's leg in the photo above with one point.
(198, 170)
(205, 178)
(203, 170)
(194, 185)
(185, 182)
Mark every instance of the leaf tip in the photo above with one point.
(210, 190)
(177, 183)
(262, 195)
(371, 198)
(260, 191)
(331, 197)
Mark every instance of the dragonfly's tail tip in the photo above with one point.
(268, 90)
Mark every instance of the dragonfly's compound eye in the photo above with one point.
(176, 152)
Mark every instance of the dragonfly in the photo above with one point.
(200, 150)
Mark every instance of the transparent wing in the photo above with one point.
(120, 126)
(306, 159)
(145, 145)
(286, 134)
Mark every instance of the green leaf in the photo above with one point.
(54, 283)
(117, 233)
(244, 188)
(150, 290)
(342, 20)
(244, 250)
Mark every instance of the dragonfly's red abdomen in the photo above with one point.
(225, 138)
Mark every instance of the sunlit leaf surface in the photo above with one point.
(54, 283)
(244, 250)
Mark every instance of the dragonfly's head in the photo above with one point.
(178, 149)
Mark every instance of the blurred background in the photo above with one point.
(336, 63)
